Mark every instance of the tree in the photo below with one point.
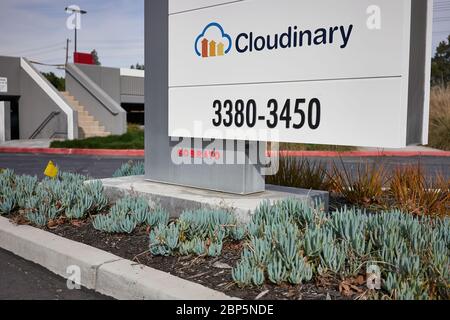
(138, 66)
(440, 66)
(95, 57)
(57, 82)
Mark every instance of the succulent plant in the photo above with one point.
(43, 215)
(37, 218)
(130, 169)
(258, 277)
(157, 217)
(300, 271)
(7, 205)
(127, 214)
(200, 232)
(277, 271)
(238, 232)
(332, 257)
(242, 273)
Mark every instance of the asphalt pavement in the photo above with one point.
(104, 167)
(34, 164)
(24, 280)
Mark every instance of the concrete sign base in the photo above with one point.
(159, 161)
(177, 199)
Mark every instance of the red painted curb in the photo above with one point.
(319, 154)
(335, 154)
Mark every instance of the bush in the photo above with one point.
(133, 139)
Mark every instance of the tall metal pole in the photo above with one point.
(78, 12)
(75, 48)
(67, 51)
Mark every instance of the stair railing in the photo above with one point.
(44, 124)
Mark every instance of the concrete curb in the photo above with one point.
(364, 154)
(318, 154)
(178, 199)
(101, 271)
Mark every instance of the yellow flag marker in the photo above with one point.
(51, 170)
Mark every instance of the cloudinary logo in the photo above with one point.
(215, 42)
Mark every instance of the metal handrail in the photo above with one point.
(92, 88)
(44, 124)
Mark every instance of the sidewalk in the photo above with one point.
(407, 149)
(35, 143)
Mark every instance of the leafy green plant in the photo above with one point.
(132, 140)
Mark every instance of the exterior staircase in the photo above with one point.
(88, 127)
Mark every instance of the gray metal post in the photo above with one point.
(235, 178)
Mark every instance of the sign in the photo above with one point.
(3, 85)
(51, 170)
(83, 58)
(300, 71)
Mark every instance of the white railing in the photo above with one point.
(52, 94)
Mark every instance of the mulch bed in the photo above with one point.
(214, 273)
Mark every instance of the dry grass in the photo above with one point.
(369, 185)
(300, 173)
(440, 118)
(412, 192)
(363, 187)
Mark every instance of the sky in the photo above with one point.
(36, 29)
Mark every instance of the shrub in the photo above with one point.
(133, 139)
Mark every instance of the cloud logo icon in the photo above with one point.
(217, 46)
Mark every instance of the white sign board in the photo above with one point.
(3, 85)
(300, 71)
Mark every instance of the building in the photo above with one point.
(98, 101)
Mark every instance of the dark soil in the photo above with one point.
(206, 271)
